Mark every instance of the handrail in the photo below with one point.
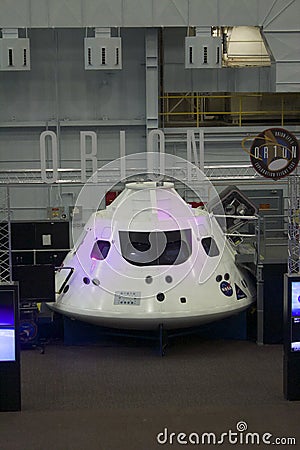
(68, 276)
(199, 110)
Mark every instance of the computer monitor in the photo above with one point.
(36, 282)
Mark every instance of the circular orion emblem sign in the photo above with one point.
(274, 153)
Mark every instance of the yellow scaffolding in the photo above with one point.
(196, 109)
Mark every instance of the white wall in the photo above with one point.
(58, 90)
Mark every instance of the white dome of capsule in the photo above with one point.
(150, 259)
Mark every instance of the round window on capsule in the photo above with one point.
(160, 297)
(148, 279)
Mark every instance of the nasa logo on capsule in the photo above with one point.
(274, 153)
(226, 288)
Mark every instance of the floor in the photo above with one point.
(122, 395)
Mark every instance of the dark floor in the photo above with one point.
(119, 396)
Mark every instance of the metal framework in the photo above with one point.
(215, 172)
(5, 243)
(293, 224)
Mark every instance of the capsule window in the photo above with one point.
(156, 248)
(210, 246)
(100, 250)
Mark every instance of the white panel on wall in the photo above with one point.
(65, 13)
(206, 15)
(137, 13)
(203, 52)
(102, 13)
(14, 54)
(170, 12)
(103, 53)
(14, 13)
(242, 12)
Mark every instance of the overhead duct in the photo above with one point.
(102, 52)
(14, 51)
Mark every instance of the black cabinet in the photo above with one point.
(22, 235)
(20, 258)
(39, 242)
(55, 258)
(51, 235)
(273, 275)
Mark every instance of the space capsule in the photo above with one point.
(149, 259)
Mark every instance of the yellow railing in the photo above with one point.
(235, 109)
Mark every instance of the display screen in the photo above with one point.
(7, 327)
(295, 298)
(295, 346)
(7, 345)
(7, 315)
